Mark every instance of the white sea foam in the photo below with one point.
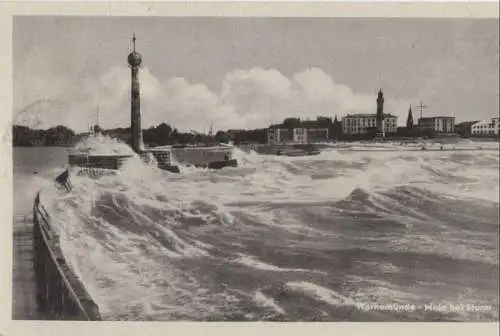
(373, 291)
(125, 235)
(321, 293)
(258, 264)
(102, 145)
(267, 302)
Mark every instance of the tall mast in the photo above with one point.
(135, 60)
(421, 108)
(97, 116)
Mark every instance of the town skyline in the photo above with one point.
(249, 73)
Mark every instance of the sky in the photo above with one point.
(250, 72)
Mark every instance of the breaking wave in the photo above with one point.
(288, 238)
(101, 144)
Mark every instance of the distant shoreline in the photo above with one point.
(39, 146)
(437, 139)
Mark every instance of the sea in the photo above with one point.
(346, 235)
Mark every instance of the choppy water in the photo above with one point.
(286, 239)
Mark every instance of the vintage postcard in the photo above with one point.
(232, 164)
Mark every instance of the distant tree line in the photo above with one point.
(464, 129)
(165, 134)
(55, 136)
(160, 135)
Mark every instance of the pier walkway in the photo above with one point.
(24, 305)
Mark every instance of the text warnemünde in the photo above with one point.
(427, 307)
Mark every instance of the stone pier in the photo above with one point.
(44, 285)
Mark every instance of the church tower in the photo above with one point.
(409, 120)
(134, 61)
(380, 113)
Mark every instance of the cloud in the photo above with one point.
(181, 104)
(260, 96)
(247, 99)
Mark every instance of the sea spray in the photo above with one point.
(102, 144)
(205, 245)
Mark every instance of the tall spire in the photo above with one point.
(133, 42)
(409, 120)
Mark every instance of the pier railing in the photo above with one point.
(60, 294)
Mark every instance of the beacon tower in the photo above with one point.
(380, 113)
(134, 61)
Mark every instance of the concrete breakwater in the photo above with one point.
(60, 295)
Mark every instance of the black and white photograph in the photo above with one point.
(271, 169)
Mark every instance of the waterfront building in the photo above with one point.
(304, 132)
(380, 122)
(300, 135)
(363, 123)
(439, 124)
(277, 135)
(486, 127)
(317, 130)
